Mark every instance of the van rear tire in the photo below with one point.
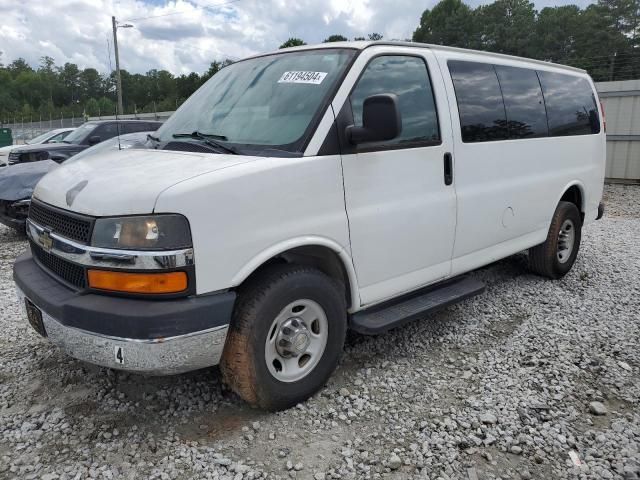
(555, 257)
(286, 336)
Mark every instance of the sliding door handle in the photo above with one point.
(448, 169)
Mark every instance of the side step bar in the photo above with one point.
(392, 314)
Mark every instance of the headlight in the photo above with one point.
(153, 232)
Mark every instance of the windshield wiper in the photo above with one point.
(209, 139)
(151, 137)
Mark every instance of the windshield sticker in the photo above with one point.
(313, 78)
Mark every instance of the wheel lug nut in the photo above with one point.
(295, 323)
(286, 331)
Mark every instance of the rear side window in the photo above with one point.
(408, 78)
(571, 105)
(482, 112)
(523, 101)
(106, 131)
(133, 127)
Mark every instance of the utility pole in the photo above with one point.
(115, 26)
(118, 79)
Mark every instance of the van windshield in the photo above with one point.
(268, 102)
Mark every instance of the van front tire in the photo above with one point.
(555, 257)
(286, 336)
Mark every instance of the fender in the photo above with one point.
(305, 241)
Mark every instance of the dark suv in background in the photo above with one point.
(88, 134)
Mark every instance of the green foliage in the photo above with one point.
(335, 38)
(602, 38)
(293, 42)
(54, 91)
(449, 23)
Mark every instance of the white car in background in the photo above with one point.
(53, 136)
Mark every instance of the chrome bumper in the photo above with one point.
(165, 356)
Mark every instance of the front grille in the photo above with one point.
(67, 271)
(72, 226)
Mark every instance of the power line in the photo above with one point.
(197, 7)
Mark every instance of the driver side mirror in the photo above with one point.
(381, 120)
(95, 139)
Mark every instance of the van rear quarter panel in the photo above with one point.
(508, 190)
(243, 215)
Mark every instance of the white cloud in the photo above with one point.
(185, 36)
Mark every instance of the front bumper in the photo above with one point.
(155, 337)
(14, 214)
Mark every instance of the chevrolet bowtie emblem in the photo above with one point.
(46, 241)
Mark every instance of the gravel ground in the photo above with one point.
(533, 379)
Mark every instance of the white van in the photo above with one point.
(304, 192)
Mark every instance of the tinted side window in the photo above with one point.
(524, 103)
(482, 113)
(133, 127)
(105, 131)
(408, 78)
(571, 105)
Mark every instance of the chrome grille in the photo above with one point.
(67, 271)
(73, 226)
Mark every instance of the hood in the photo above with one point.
(6, 150)
(17, 181)
(125, 182)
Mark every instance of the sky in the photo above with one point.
(187, 35)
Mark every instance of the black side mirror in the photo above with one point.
(95, 139)
(381, 120)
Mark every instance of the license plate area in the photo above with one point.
(34, 315)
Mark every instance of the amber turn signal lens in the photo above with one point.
(173, 282)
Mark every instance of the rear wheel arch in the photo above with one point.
(574, 193)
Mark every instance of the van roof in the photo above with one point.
(361, 45)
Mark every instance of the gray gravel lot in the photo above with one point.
(533, 379)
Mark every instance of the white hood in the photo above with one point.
(125, 182)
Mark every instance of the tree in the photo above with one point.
(374, 37)
(92, 108)
(335, 38)
(106, 106)
(91, 84)
(293, 42)
(556, 31)
(449, 23)
(507, 26)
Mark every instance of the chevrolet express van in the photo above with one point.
(305, 192)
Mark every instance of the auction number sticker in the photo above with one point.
(313, 78)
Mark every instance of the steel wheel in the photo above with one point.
(566, 240)
(296, 341)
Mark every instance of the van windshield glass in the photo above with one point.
(267, 102)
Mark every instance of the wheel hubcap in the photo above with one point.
(293, 338)
(296, 340)
(566, 240)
